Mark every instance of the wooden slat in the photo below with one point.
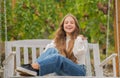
(42, 49)
(26, 55)
(33, 54)
(18, 56)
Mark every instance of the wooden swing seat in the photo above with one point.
(26, 51)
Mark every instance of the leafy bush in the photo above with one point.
(39, 19)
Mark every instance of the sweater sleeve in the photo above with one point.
(79, 50)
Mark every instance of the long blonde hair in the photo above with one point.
(60, 39)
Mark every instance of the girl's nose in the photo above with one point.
(69, 23)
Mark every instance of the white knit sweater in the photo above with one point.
(79, 49)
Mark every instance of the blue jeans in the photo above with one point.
(51, 61)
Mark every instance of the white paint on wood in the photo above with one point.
(40, 44)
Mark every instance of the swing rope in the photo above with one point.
(0, 36)
(5, 20)
(107, 32)
(5, 23)
(108, 24)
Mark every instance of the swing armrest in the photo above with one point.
(111, 57)
(12, 54)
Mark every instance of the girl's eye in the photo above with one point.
(72, 22)
(66, 22)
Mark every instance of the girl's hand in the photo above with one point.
(35, 66)
(83, 37)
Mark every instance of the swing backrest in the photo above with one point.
(28, 50)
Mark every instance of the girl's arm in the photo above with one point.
(79, 47)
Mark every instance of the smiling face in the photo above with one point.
(69, 25)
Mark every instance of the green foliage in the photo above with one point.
(39, 19)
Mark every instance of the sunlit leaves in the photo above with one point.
(40, 18)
